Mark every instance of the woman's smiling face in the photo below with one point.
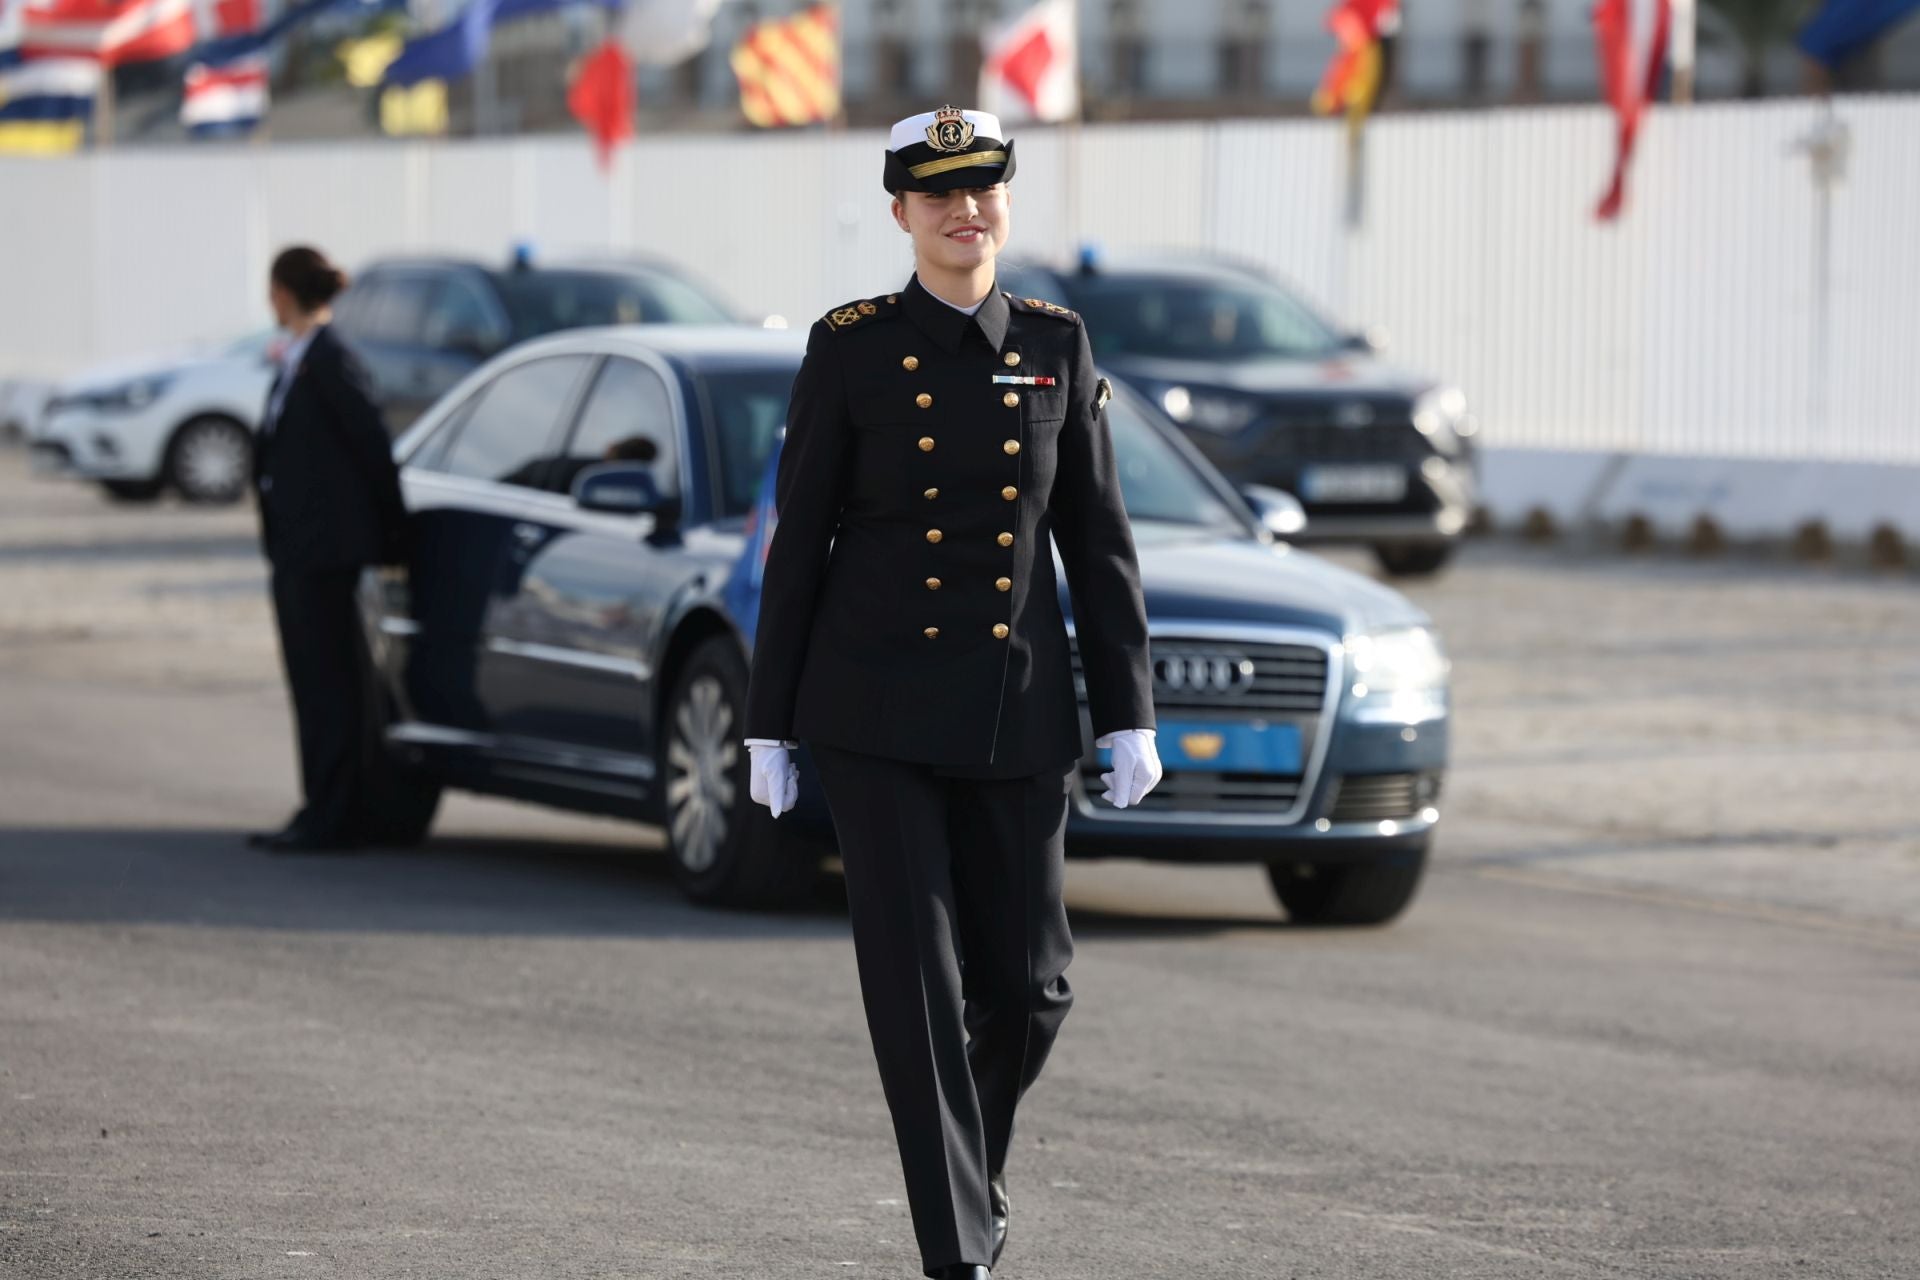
(957, 230)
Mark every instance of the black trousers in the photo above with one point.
(954, 888)
(324, 653)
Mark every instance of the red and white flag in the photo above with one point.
(1631, 36)
(1031, 70)
(226, 99)
(112, 31)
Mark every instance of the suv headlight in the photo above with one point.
(1207, 410)
(1398, 675)
(1441, 416)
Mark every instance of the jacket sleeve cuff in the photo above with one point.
(788, 743)
(1108, 739)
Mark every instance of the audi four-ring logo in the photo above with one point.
(1204, 672)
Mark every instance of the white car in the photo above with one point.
(184, 421)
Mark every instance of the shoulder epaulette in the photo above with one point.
(1040, 306)
(861, 311)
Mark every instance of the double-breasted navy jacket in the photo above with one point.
(909, 606)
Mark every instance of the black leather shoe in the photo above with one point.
(1002, 1210)
(298, 840)
(263, 839)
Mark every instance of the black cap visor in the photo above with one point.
(920, 168)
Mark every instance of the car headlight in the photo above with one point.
(137, 394)
(1399, 674)
(1207, 410)
(1441, 416)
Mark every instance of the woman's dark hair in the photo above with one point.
(305, 273)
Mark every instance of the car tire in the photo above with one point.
(210, 460)
(1413, 560)
(1358, 893)
(399, 798)
(132, 490)
(723, 852)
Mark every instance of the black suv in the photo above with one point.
(1274, 393)
(422, 324)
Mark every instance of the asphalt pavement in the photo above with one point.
(1654, 1013)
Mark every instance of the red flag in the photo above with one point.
(1632, 41)
(602, 98)
(1352, 78)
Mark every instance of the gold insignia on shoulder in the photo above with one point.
(1102, 392)
(867, 308)
(844, 316)
(1033, 302)
(950, 130)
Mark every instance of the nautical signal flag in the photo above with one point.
(1631, 36)
(1352, 79)
(112, 31)
(223, 101)
(45, 102)
(1030, 68)
(601, 98)
(789, 68)
(414, 109)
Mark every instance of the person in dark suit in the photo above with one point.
(910, 633)
(330, 505)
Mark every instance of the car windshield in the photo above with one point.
(1197, 319)
(749, 406)
(547, 301)
(254, 344)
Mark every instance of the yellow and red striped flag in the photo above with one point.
(789, 68)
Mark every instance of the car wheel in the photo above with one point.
(1360, 893)
(209, 460)
(721, 853)
(131, 490)
(399, 797)
(1413, 560)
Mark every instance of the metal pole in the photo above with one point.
(1680, 49)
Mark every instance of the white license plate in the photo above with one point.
(1353, 484)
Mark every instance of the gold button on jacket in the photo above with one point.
(856, 588)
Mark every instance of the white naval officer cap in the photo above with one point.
(951, 147)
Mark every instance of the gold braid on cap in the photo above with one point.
(948, 163)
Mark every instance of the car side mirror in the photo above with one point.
(470, 342)
(617, 488)
(1370, 341)
(629, 489)
(1279, 512)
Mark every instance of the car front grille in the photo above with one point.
(1229, 676)
(1382, 797)
(1225, 680)
(1295, 437)
(1194, 791)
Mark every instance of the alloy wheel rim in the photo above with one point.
(212, 460)
(701, 755)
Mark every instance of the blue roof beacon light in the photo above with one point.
(522, 255)
(1089, 257)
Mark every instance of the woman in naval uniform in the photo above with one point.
(911, 634)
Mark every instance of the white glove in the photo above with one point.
(1136, 766)
(772, 779)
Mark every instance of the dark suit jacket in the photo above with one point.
(909, 606)
(329, 491)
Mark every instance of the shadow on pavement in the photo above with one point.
(455, 885)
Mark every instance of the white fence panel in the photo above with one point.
(1692, 326)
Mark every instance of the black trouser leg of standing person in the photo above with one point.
(323, 650)
(954, 889)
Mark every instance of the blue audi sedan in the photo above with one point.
(592, 513)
